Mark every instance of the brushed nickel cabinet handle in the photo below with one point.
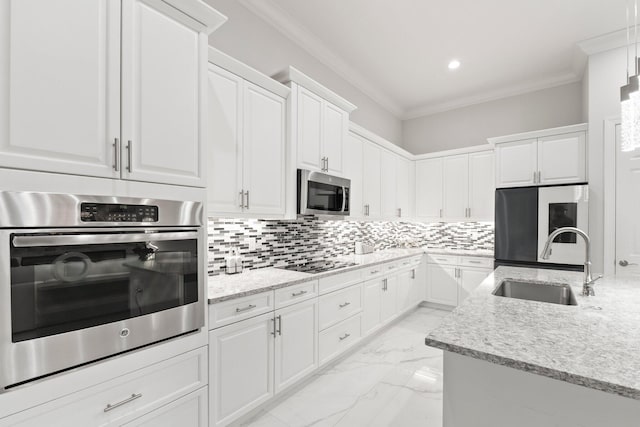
(440, 213)
(279, 325)
(539, 177)
(116, 155)
(473, 262)
(297, 294)
(247, 193)
(249, 307)
(129, 156)
(344, 305)
(413, 273)
(344, 337)
(133, 397)
(535, 177)
(273, 331)
(241, 199)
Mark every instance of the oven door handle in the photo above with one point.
(94, 239)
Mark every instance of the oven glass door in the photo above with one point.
(563, 206)
(325, 197)
(62, 282)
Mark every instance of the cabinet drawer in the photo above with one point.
(391, 267)
(337, 306)
(124, 398)
(296, 293)
(409, 262)
(374, 271)
(227, 312)
(338, 338)
(339, 281)
(477, 262)
(444, 259)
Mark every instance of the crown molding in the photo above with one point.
(506, 92)
(293, 75)
(454, 152)
(377, 139)
(604, 42)
(274, 15)
(579, 127)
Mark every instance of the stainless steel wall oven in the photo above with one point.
(86, 277)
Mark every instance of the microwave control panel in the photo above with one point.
(106, 212)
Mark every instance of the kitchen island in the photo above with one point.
(511, 362)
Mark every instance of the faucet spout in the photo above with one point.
(587, 288)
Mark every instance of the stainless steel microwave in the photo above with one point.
(322, 194)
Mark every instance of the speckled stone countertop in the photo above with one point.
(595, 344)
(225, 286)
(485, 253)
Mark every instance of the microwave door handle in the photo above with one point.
(344, 198)
(96, 239)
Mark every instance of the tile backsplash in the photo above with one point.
(268, 243)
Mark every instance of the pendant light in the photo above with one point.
(630, 96)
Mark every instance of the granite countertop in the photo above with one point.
(225, 286)
(595, 344)
(485, 253)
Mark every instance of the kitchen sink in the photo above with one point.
(557, 293)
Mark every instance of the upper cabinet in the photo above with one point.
(547, 157)
(247, 140)
(105, 88)
(320, 120)
(456, 187)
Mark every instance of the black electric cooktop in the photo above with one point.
(318, 266)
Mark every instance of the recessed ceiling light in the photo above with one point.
(454, 64)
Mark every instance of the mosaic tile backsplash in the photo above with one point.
(269, 243)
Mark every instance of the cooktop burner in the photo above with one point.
(318, 266)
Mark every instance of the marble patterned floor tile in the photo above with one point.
(393, 380)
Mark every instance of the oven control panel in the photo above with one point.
(106, 212)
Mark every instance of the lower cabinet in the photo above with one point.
(389, 300)
(450, 279)
(371, 306)
(253, 359)
(174, 389)
(410, 289)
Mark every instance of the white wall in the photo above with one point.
(251, 40)
(468, 126)
(606, 73)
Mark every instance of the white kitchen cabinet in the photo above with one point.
(353, 170)
(371, 164)
(388, 184)
(189, 411)
(296, 344)
(241, 359)
(470, 278)
(320, 123)
(562, 159)
(409, 289)
(146, 393)
(114, 87)
(450, 279)
(481, 186)
(546, 157)
(404, 187)
(442, 284)
(389, 304)
(455, 187)
(247, 155)
(372, 305)
(429, 189)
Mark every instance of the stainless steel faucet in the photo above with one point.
(587, 286)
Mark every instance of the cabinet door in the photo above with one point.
(389, 306)
(263, 151)
(456, 187)
(442, 284)
(481, 186)
(562, 158)
(429, 189)
(516, 163)
(241, 368)
(163, 72)
(335, 125)
(224, 156)
(354, 171)
(189, 411)
(309, 130)
(470, 279)
(296, 344)
(404, 186)
(60, 86)
(405, 294)
(372, 306)
(388, 185)
(371, 179)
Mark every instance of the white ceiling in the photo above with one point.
(397, 51)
